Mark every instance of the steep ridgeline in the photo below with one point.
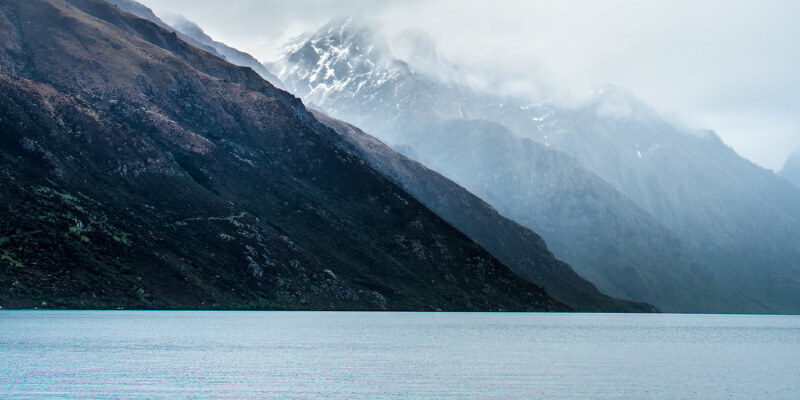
(234, 56)
(516, 246)
(144, 12)
(791, 170)
(139, 171)
(348, 73)
(741, 220)
(192, 34)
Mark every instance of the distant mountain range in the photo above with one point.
(741, 220)
(516, 246)
(512, 246)
(139, 171)
(644, 209)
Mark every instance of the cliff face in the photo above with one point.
(137, 171)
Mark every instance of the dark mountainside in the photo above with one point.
(142, 11)
(137, 171)
(230, 54)
(192, 34)
(791, 170)
(516, 246)
(350, 74)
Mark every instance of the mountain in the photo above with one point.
(740, 220)
(191, 33)
(516, 246)
(347, 71)
(144, 12)
(139, 171)
(228, 53)
(791, 170)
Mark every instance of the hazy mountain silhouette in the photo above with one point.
(643, 209)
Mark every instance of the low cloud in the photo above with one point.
(730, 66)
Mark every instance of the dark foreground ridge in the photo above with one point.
(137, 171)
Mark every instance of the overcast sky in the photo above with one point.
(730, 66)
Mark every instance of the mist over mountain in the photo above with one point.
(740, 219)
(139, 171)
(570, 288)
(643, 207)
(712, 217)
(521, 249)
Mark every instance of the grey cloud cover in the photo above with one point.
(731, 66)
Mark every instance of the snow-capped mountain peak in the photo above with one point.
(333, 58)
(347, 66)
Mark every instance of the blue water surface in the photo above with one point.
(344, 355)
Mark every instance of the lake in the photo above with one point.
(302, 355)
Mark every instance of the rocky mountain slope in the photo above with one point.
(192, 34)
(348, 72)
(138, 171)
(234, 56)
(516, 246)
